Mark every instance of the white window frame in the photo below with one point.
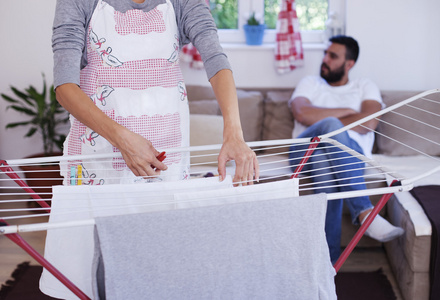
(246, 7)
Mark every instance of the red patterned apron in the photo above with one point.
(133, 76)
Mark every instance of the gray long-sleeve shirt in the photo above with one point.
(72, 17)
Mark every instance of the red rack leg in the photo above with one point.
(4, 167)
(18, 240)
(355, 240)
(314, 143)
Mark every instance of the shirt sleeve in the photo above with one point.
(305, 88)
(196, 25)
(370, 91)
(68, 39)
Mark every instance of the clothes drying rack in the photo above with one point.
(19, 185)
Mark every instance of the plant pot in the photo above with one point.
(41, 178)
(254, 34)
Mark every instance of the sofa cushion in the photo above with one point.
(278, 120)
(197, 92)
(409, 254)
(202, 101)
(204, 107)
(205, 130)
(251, 114)
(391, 147)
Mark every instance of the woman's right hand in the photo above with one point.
(139, 154)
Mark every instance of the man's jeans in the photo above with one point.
(339, 168)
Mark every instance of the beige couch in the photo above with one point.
(266, 116)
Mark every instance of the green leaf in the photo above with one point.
(31, 132)
(252, 20)
(12, 125)
(22, 96)
(9, 99)
(39, 99)
(24, 110)
(45, 111)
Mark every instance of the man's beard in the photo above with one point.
(332, 76)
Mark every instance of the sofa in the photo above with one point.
(265, 115)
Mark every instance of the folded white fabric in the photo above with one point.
(269, 245)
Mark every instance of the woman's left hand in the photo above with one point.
(246, 163)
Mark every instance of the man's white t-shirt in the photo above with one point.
(350, 95)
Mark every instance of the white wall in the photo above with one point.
(25, 52)
(400, 50)
(400, 45)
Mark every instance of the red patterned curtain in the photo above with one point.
(190, 55)
(288, 51)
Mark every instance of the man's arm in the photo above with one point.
(307, 114)
(368, 107)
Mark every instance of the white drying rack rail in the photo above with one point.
(277, 162)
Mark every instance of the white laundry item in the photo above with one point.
(252, 242)
(70, 249)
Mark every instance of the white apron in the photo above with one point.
(133, 75)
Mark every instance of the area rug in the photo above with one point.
(363, 286)
(349, 285)
(24, 284)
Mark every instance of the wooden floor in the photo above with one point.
(10, 254)
(364, 259)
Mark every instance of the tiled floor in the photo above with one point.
(362, 259)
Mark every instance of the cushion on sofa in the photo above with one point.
(250, 104)
(202, 101)
(278, 120)
(403, 124)
(205, 130)
(204, 107)
(197, 92)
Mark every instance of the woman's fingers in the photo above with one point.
(141, 157)
(246, 163)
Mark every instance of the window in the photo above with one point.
(231, 15)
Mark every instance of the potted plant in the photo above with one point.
(46, 116)
(254, 31)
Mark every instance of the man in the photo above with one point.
(323, 104)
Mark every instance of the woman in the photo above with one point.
(128, 52)
(116, 71)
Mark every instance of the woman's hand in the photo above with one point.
(139, 154)
(246, 163)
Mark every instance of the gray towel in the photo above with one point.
(271, 249)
